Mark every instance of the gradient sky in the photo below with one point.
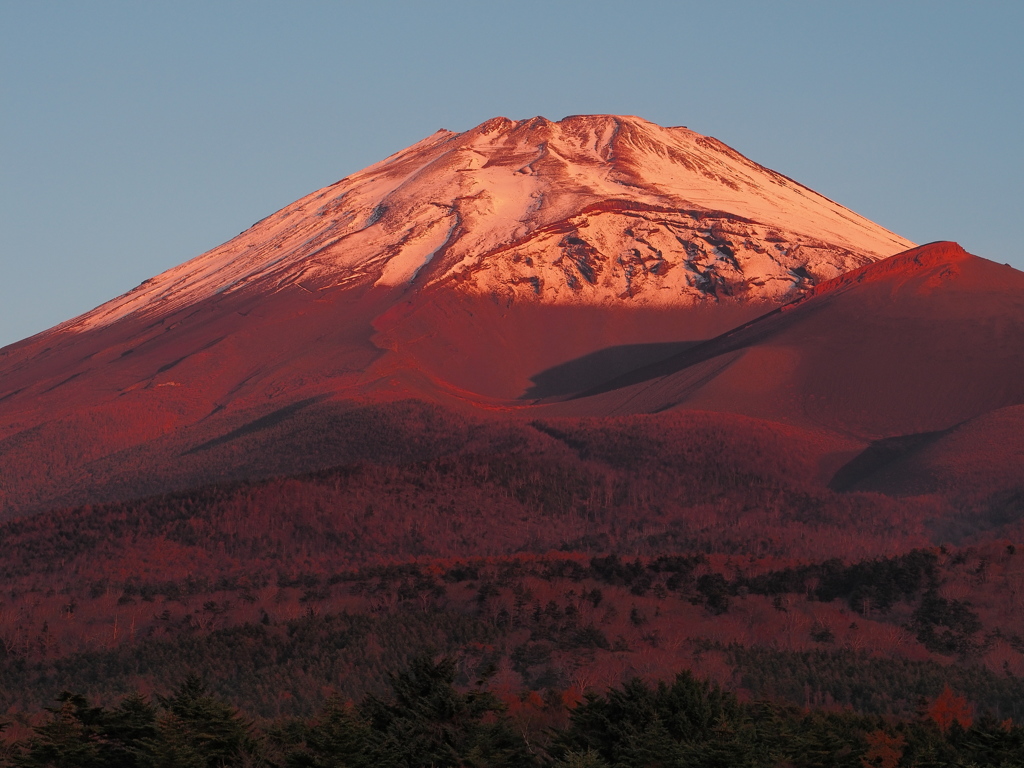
(134, 136)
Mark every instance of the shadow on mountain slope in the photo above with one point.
(739, 338)
(594, 369)
(880, 455)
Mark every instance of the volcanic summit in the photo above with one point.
(589, 210)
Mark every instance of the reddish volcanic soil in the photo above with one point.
(919, 343)
(76, 407)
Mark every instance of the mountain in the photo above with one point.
(438, 273)
(920, 342)
(577, 403)
(598, 266)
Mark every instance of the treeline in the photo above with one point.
(438, 485)
(837, 677)
(424, 719)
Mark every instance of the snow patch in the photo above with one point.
(416, 252)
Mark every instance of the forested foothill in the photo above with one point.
(679, 591)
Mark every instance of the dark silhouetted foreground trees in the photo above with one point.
(189, 728)
(426, 720)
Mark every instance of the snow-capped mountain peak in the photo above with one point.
(592, 209)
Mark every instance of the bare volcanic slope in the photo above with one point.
(918, 343)
(459, 269)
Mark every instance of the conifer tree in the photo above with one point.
(197, 730)
(427, 722)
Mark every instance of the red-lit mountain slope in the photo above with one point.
(517, 259)
(917, 343)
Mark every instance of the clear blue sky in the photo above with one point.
(136, 135)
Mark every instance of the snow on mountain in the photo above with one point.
(589, 210)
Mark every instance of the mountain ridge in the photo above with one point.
(907, 337)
